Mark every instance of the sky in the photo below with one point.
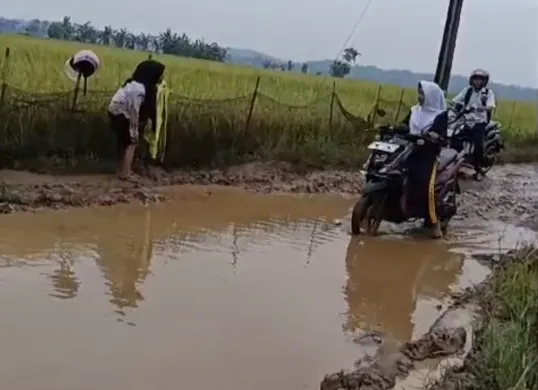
(498, 35)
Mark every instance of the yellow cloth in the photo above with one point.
(157, 140)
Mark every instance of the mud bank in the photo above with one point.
(486, 340)
(505, 352)
(25, 191)
(508, 194)
(448, 336)
(453, 349)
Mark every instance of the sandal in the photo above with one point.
(130, 178)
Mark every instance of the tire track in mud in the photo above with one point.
(509, 194)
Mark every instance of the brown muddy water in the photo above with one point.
(217, 289)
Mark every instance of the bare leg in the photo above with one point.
(127, 161)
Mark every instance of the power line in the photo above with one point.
(357, 22)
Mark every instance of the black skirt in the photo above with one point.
(120, 126)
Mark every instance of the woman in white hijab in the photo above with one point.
(428, 116)
(431, 103)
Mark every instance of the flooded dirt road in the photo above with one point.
(223, 289)
(227, 291)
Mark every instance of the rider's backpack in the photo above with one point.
(468, 95)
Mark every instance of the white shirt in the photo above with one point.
(481, 100)
(127, 101)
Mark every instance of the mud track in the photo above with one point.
(24, 191)
(508, 195)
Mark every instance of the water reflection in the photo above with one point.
(64, 279)
(386, 280)
(125, 261)
(239, 296)
(124, 240)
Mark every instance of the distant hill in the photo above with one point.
(256, 59)
(248, 57)
(406, 78)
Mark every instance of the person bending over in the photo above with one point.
(130, 108)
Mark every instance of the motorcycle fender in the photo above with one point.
(449, 172)
(372, 187)
(492, 137)
(443, 177)
(494, 142)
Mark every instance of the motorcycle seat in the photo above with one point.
(446, 157)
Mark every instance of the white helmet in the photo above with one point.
(482, 73)
(85, 62)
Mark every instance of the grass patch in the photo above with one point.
(295, 117)
(505, 355)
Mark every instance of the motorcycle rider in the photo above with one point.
(481, 101)
(428, 118)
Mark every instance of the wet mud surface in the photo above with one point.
(390, 341)
(205, 283)
(508, 194)
(495, 215)
(24, 191)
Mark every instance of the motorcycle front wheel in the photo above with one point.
(366, 214)
(490, 159)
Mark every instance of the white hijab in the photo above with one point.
(422, 116)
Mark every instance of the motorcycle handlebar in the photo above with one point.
(427, 138)
(414, 138)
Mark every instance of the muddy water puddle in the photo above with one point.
(216, 289)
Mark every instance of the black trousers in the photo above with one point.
(422, 165)
(476, 136)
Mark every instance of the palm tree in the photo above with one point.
(168, 41)
(106, 36)
(155, 42)
(85, 33)
(350, 55)
(67, 28)
(143, 41)
(120, 38)
(130, 41)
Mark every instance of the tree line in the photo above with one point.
(167, 42)
(340, 67)
(170, 42)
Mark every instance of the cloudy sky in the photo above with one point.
(499, 35)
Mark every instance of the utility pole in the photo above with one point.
(448, 44)
(536, 112)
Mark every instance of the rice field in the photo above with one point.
(36, 65)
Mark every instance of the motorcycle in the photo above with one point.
(386, 194)
(458, 135)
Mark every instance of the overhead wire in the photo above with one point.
(350, 35)
(357, 22)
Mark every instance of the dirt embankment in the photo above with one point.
(447, 337)
(479, 329)
(509, 194)
(24, 191)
